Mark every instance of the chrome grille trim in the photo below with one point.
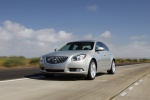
(56, 59)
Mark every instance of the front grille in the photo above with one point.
(56, 59)
(54, 70)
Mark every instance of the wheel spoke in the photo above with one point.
(113, 67)
(93, 70)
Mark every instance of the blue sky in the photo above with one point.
(125, 23)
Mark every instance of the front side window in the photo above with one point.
(105, 47)
(100, 44)
(77, 46)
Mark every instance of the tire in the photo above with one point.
(92, 70)
(113, 68)
(48, 75)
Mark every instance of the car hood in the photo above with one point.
(69, 53)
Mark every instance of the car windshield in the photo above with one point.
(77, 46)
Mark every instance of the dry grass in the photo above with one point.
(18, 62)
(128, 61)
(22, 62)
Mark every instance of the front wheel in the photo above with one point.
(92, 70)
(113, 68)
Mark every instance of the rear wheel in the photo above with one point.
(113, 68)
(92, 70)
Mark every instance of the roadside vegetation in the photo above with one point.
(22, 62)
(131, 60)
(18, 62)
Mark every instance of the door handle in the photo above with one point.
(104, 55)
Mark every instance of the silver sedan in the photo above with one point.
(78, 57)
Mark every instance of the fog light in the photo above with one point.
(76, 69)
(79, 70)
(42, 68)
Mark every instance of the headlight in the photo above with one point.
(78, 57)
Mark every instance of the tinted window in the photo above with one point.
(100, 44)
(77, 46)
(105, 47)
(65, 47)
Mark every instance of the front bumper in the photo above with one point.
(68, 67)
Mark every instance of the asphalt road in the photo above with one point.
(15, 73)
(130, 82)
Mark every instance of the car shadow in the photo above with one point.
(101, 73)
(57, 77)
(60, 77)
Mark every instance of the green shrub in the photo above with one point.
(34, 61)
(134, 60)
(120, 61)
(13, 62)
(20, 61)
(143, 60)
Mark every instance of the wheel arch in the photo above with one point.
(114, 60)
(95, 62)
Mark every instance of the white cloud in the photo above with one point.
(26, 33)
(93, 8)
(12, 27)
(138, 37)
(88, 36)
(4, 35)
(106, 34)
(64, 35)
(16, 39)
(138, 44)
(135, 49)
(49, 35)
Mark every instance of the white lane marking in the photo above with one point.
(136, 83)
(123, 94)
(130, 88)
(12, 80)
(20, 79)
(102, 80)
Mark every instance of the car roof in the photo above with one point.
(84, 41)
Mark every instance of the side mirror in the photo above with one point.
(55, 49)
(99, 49)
